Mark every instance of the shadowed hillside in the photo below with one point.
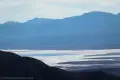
(13, 65)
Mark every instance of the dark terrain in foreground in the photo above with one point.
(15, 66)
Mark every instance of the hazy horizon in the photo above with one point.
(23, 10)
(56, 18)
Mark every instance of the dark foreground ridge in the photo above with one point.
(15, 67)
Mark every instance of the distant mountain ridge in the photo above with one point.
(93, 30)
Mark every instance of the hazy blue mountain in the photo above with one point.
(93, 30)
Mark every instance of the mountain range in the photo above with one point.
(92, 30)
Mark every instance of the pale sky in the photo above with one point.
(23, 10)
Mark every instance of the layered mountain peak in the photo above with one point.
(90, 30)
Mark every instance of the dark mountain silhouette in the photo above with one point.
(13, 66)
(93, 30)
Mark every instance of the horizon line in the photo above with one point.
(58, 18)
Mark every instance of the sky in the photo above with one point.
(23, 10)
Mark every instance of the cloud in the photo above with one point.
(22, 10)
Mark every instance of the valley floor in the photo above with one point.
(75, 59)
